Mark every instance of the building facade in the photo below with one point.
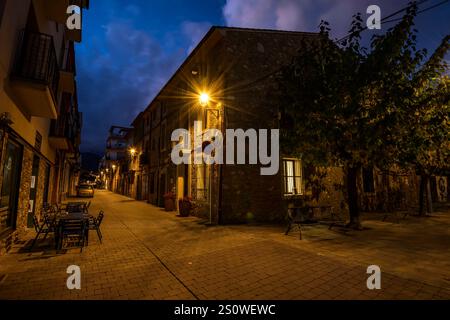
(115, 168)
(40, 123)
(228, 82)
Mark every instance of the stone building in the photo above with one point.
(40, 123)
(115, 166)
(227, 82)
(235, 68)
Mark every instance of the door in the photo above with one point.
(10, 187)
(139, 188)
(33, 190)
(46, 185)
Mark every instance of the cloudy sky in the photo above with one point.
(131, 48)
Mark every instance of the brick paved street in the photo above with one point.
(151, 254)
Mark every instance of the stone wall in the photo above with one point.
(24, 190)
(249, 196)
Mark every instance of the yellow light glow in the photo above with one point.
(133, 151)
(204, 99)
(113, 166)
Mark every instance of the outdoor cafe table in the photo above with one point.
(68, 216)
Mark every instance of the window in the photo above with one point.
(292, 177)
(38, 141)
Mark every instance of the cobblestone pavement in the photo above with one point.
(151, 254)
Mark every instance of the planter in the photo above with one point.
(185, 208)
(169, 204)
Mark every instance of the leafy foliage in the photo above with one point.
(348, 105)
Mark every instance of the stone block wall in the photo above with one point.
(256, 57)
(24, 189)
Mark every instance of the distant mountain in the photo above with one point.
(90, 161)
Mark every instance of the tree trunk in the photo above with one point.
(352, 193)
(429, 196)
(425, 201)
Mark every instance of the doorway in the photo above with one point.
(10, 187)
(162, 190)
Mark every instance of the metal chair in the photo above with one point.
(87, 206)
(73, 231)
(95, 223)
(296, 216)
(47, 226)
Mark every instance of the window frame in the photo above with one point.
(297, 177)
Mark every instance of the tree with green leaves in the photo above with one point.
(346, 105)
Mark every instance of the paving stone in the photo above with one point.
(228, 262)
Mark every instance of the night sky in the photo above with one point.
(131, 48)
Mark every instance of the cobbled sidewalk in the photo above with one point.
(151, 254)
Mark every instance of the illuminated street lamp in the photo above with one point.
(133, 152)
(204, 99)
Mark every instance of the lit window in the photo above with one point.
(292, 177)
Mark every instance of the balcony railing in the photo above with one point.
(36, 60)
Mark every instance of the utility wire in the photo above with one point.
(390, 16)
(349, 35)
(421, 11)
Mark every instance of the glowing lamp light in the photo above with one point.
(204, 99)
(133, 152)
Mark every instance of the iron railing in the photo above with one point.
(36, 60)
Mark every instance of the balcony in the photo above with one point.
(64, 132)
(67, 75)
(35, 76)
(59, 137)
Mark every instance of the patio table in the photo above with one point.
(68, 217)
